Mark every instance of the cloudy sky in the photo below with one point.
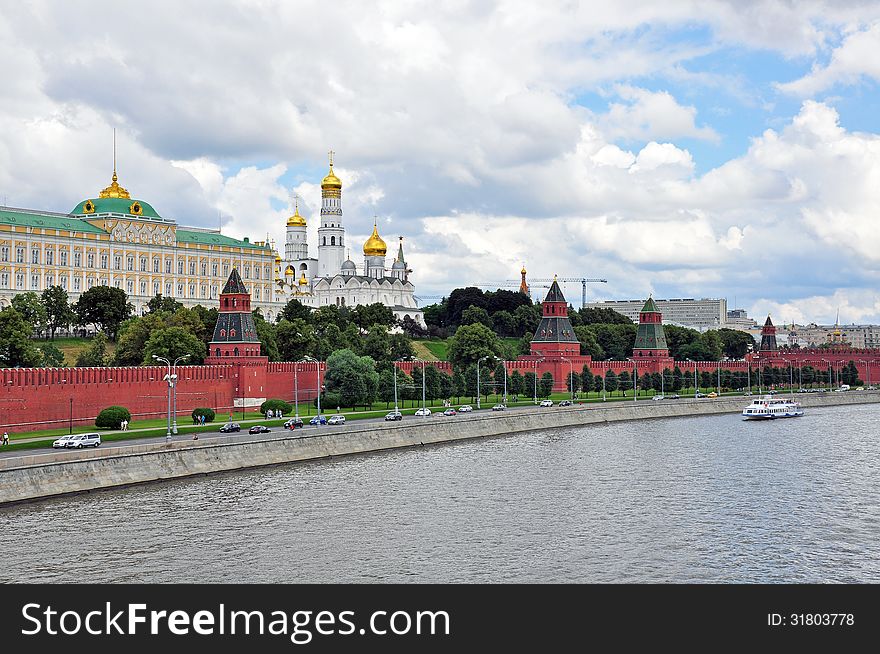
(685, 149)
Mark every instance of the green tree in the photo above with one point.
(105, 306)
(209, 321)
(624, 383)
(602, 316)
(462, 298)
(527, 319)
(164, 304)
(367, 315)
(545, 385)
(517, 384)
(95, 355)
(32, 310)
(133, 336)
(589, 345)
(353, 377)
(386, 387)
(598, 383)
(16, 347)
(529, 383)
(735, 344)
(295, 338)
(470, 343)
(376, 343)
(586, 379)
(676, 379)
(573, 382)
(295, 310)
(59, 315)
(171, 343)
(504, 323)
(266, 334)
(433, 383)
(459, 387)
(476, 315)
(52, 356)
(611, 381)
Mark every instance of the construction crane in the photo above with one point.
(583, 282)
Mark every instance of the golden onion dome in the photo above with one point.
(523, 271)
(296, 220)
(331, 180)
(302, 280)
(289, 271)
(277, 258)
(375, 246)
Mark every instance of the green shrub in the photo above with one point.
(276, 405)
(329, 401)
(203, 411)
(112, 417)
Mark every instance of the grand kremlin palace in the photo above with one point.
(115, 240)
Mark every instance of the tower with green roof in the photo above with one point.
(650, 337)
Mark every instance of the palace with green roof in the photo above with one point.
(115, 240)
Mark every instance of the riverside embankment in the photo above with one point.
(44, 475)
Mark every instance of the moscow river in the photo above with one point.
(704, 499)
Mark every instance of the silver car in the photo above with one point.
(80, 441)
(62, 442)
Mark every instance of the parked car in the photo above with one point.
(772, 392)
(546, 402)
(450, 412)
(844, 387)
(699, 394)
(80, 441)
(499, 407)
(870, 388)
(259, 429)
(565, 403)
(657, 398)
(747, 393)
(465, 408)
(322, 419)
(62, 442)
(713, 394)
(425, 411)
(336, 419)
(675, 396)
(230, 427)
(294, 423)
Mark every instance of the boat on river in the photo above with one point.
(769, 407)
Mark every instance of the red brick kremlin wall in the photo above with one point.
(37, 398)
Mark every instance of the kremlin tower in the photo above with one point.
(555, 336)
(235, 335)
(650, 348)
(331, 234)
(768, 337)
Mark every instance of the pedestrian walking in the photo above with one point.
(5, 438)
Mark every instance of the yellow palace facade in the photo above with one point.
(114, 240)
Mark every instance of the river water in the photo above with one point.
(703, 499)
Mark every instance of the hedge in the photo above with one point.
(112, 417)
(276, 405)
(203, 411)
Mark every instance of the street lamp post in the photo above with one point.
(170, 381)
(570, 375)
(479, 361)
(504, 365)
(719, 379)
(635, 377)
(603, 387)
(318, 382)
(758, 369)
(174, 392)
(71, 417)
(829, 371)
(536, 378)
(867, 371)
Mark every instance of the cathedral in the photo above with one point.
(332, 277)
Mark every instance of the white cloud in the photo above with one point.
(854, 59)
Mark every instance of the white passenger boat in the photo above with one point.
(769, 407)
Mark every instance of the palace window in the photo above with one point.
(76, 284)
(117, 262)
(180, 290)
(180, 267)
(50, 280)
(90, 281)
(226, 270)
(143, 288)
(129, 287)
(247, 272)
(168, 266)
(204, 269)
(104, 260)
(104, 281)
(143, 264)
(258, 293)
(62, 257)
(19, 280)
(19, 255)
(213, 269)
(4, 253)
(64, 282)
(50, 257)
(129, 262)
(156, 265)
(90, 260)
(156, 287)
(192, 267)
(77, 259)
(168, 289)
(204, 291)
(117, 283)
(268, 272)
(4, 280)
(192, 290)
(213, 291)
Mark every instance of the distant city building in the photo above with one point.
(702, 314)
(813, 335)
(739, 319)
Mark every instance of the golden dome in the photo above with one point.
(331, 180)
(523, 271)
(296, 220)
(277, 258)
(114, 190)
(303, 281)
(375, 246)
(289, 271)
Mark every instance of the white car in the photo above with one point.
(467, 408)
(499, 407)
(80, 441)
(546, 402)
(657, 398)
(425, 411)
(62, 442)
(336, 420)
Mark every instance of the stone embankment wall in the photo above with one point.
(45, 475)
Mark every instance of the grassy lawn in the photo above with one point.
(72, 346)
(438, 348)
